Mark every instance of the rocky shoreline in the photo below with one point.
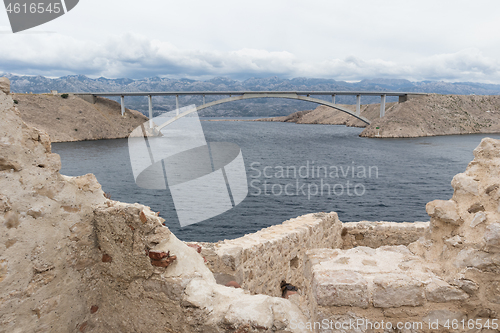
(430, 115)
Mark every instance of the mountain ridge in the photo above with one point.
(258, 107)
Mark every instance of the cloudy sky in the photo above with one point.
(342, 40)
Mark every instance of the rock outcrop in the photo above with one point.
(5, 85)
(74, 119)
(438, 115)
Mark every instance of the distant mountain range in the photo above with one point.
(256, 107)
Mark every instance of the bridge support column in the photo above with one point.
(333, 99)
(358, 105)
(150, 100)
(177, 104)
(122, 100)
(382, 105)
(203, 99)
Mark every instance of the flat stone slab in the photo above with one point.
(389, 276)
(341, 287)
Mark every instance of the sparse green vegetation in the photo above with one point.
(16, 101)
(64, 96)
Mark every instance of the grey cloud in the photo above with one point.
(135, 56)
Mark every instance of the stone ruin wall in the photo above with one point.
(260, 261)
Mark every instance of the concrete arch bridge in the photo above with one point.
(242, 95)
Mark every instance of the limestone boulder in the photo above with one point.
(439, 291)
(481, 260)
(392, 291)
(492, 236)
(464, 184)
(479, 218)
(445, 211)
(441, 317)
(341, 288)
(5, 85)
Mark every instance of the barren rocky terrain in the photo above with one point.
(438, 115)
(73, 119)
(429, 115)
(325, 115)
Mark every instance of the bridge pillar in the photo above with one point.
(177, 104)
(358, 105)
(203, 99)
(333, 98)
(150, 100)
(382, 106)
(122, 100)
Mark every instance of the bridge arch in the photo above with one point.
(271, 95)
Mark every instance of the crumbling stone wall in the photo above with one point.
(376, 234)
(260, 261)
(73, 261)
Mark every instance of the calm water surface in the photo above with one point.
(296, 169)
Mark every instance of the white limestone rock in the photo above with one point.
(479, 218)
(469, 286)
(441, 317)
(454, 241)
(464, 184)
(439, 291)
(235, 307)
(492, 235)
(445, 211)
(493, 292)
(341, 288)
(5, 85)
(477, 259)
(230, 256)
(397, 290)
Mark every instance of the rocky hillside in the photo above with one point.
(429, 115)
(325, 115)
(438, 115)
(73, 119)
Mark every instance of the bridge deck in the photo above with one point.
(179, 93)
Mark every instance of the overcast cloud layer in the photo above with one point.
(342, 40)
